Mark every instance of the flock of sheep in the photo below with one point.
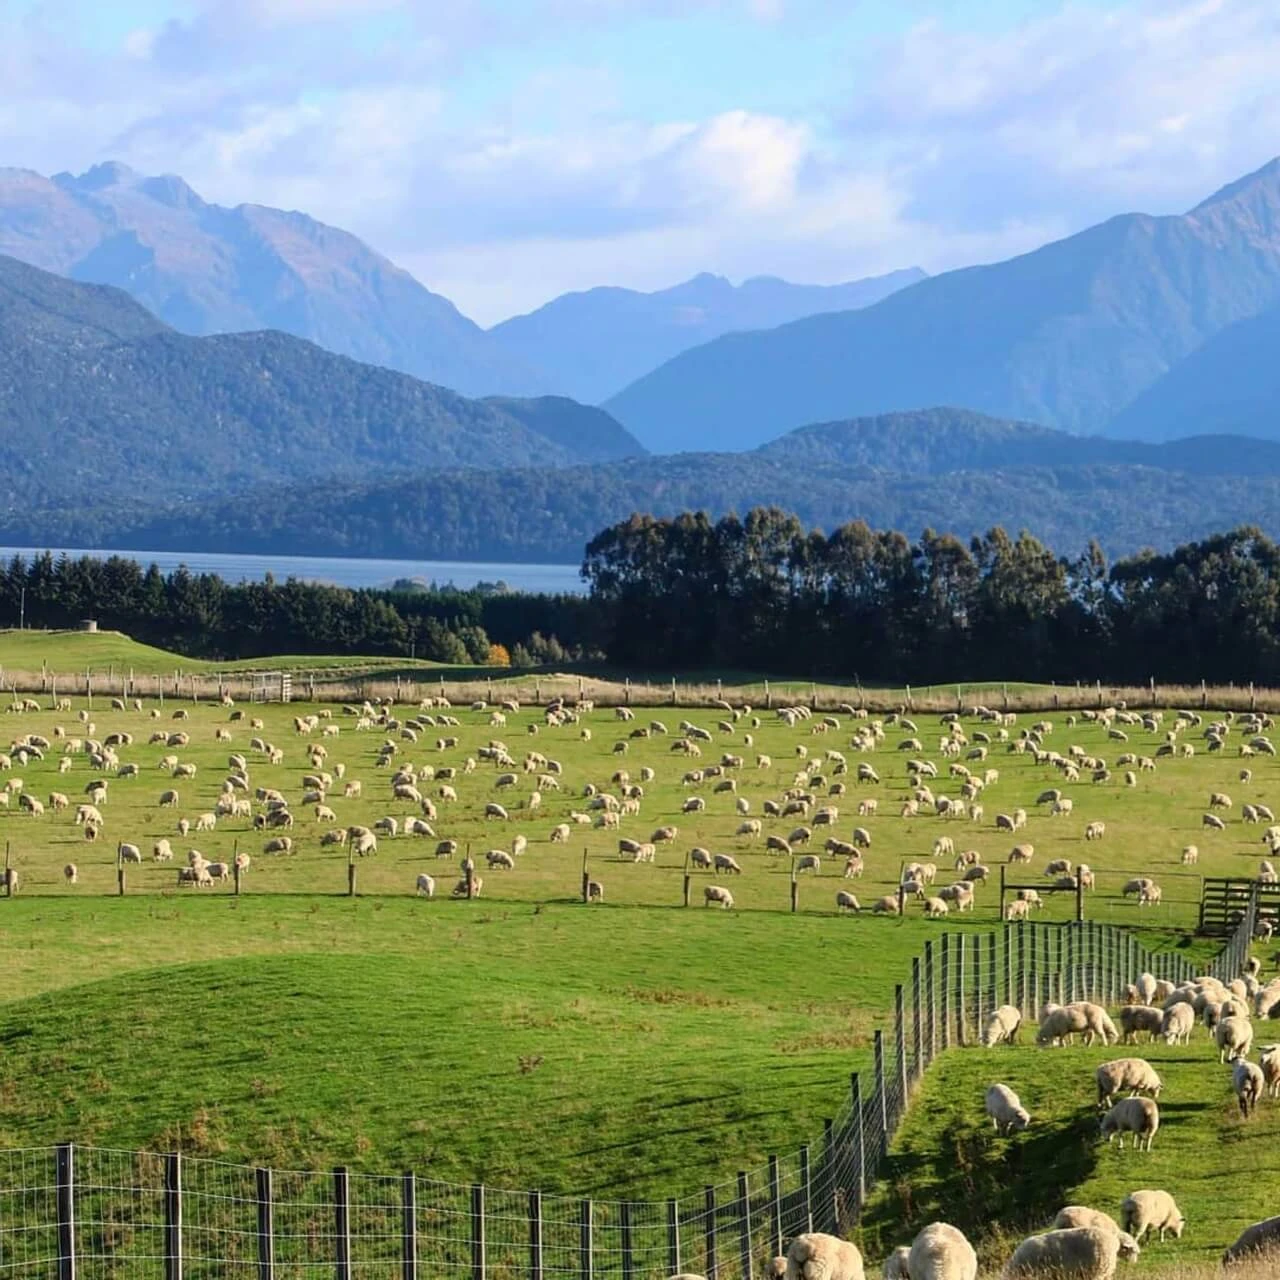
(796, 822)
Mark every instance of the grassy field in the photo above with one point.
(633, 1047)
(948, 1163)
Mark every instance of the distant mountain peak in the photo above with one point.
(110, 173)
(1267, 176)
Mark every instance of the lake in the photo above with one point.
(342, 571)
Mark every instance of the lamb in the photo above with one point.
(1007, 1113)
(1002, 1026)
(1234, 1038)
(1076, 1253)
(1248, 1082)
(1139, 1116)
(717, 894)
(941, 1252)
(1133, 1074)
(1144, 1211)
(817, 1256)
(1262, 1238)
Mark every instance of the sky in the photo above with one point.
(506, 151)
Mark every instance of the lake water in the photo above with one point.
(344, 572)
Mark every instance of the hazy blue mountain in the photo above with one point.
(103, 401)
(1066, 336)
(593, 344)
(205, 269)
(1229, 385)
(941, 441)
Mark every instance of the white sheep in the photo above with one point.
(941, 1252)
(817, 1256)
(1005, 1108)
(1002, 1026)
(1079, 1215)
(724, 862)
(846, 902)
(1249, 1085)
(1262, 1238)
(129, 853)
(1234, 1037)
(1150, 1210)
(1177, 1024)
(1135, 1075)
(1139, 1116)
(717, 894)
(809, 862)
(426, 885)
(1076, 1253)
(896, 1264)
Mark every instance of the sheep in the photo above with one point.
(895, 1265)
(1212, 822)
(465, 889)
(1139, 1116)
(70, 873)
(1078, 1215)
(1133, 1074)
(168, 799)
(718, 894)
(1145, 1211)
(129, 853)
(1249, 1085)
(935, 908)
(941, 1252)
(724, 862)
(499, 859)
(1177, 1024)
(886, 906)
(1269, 1061)
(595, 891)
(1219, 800)
(1058, 1023)
(1002, 1026)
(1095, 831)
(560, 834)
(162, 851)
(1021, 853)
(1136, 1018)
(1190, 855)
(815, 1255)
(846, 901)
(1234, 1038)
(495, 810)
(1076, 1253)
(1254, 1242)
(1005, 1108)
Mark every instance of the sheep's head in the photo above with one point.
(1129, 1250)
(1021, 1119)
(1177, 1225)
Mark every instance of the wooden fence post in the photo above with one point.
(65, 1182)
(744, 1226)
(860, 1152)
(628, 1259)
(795, 888)
(535, 1235)
(775, 1208)
(266, 1226)
(409, 1226)
(586, 879)
(172, 1216)
(479, 1263)
(586, 1250)
(880, 1095)
(709, 1226)
(342, 1223)
(806, 1187)
(673, 1236)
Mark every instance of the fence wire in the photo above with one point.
(104, 1214)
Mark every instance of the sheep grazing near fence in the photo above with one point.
(1142, 1212)
(1138, 1116)
(1005, 1110)
(941, 1252)
(1076, 1253)
(817, 1256)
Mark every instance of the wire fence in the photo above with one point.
(73, 1211)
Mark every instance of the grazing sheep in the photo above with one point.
(941, 1252)
(1059, 1023)
(1177, 1024)
(595, 891)
(845, 901)
(1133, 1074)
(1190, 855)
(1139, 1116)
(129, 853)
(718, 894)
(1095, 831)
(1234, 1038)
(561, 833)
(895, 1265)
(162, 851)
(499, 859)
(168, 799)
(1269, 1061)
(1005, 1108)
(1247, 1080)
(1145, 1211)
(1137, 1018)
(935, 908)
(70, 873)
(809, 862)
(1212, 822)
(1254, 1242)
(1002, 1026)
(1076, 1253)
(723, 862)
(817, 1256)
(1079, 1215)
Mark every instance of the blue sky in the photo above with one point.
(507, 150)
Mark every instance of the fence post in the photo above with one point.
(917, 1047)
(961, 1036)
(478, 1262)
(673, 1235)
(806, 1187)
(710, 1226)
(991, 956)
(744, 1226)
(586, 1251)
(860, 1151)
(628, 1262)
(900, 1047)
(172, 1216)
(266, 1227)
(775, 1210)
(535, 1235)
(409, 1226)
(945, 977)
(930, 1006)
(65, 1180)
(1008, 968)
(830, 1200)
(342, 1222)
(880, 1088)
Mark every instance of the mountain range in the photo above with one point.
(591, 345)
(1068, 336)
(101, 398)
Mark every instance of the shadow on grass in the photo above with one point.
(977, 1179)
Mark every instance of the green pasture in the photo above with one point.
(633, 1047)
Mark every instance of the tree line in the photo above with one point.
(760, 593)
(765, 593)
